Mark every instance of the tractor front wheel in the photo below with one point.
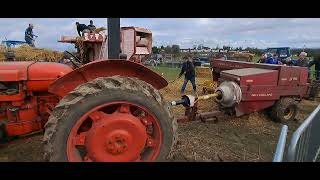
(111, 119)
(284, 110)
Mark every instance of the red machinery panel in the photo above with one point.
(260, 87)
(222, 64)
(255, 83)
(253, 76)
(293, 76)
(292, 80)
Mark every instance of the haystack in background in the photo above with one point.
(242, 56)
(27, 53)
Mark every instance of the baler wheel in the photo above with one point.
(111, 119)
(284, 110)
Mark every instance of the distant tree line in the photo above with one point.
(175, 50)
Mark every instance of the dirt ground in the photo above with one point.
(249, 138)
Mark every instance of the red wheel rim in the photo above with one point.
(117, 131)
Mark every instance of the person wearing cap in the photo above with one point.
(91, 26)
(302, 61)
(29, 36)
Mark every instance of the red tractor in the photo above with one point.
(104, 110)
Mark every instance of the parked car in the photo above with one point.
(13, 44)
(152, 62)
(201, 61)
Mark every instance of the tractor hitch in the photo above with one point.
(191, 108)
(190, 101)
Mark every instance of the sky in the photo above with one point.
(186, 32)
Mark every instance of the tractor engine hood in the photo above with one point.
(32, 71)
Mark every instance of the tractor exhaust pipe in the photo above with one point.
(113, 38)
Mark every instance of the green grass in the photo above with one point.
(168, 73)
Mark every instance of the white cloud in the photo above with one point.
(186, 32)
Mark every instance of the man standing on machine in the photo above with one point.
(29, 36)
(91, 26)
(82, 28)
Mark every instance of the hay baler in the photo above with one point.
(245, 87)
(105, 110)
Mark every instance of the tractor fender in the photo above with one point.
(105, 68)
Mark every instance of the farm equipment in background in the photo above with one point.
(201, 61)
(283, 53)
(135, 44)
(8, 45)
(245, 87)
(13, 43)
(88, 110)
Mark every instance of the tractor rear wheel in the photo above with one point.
(284, 110)
(111, 119)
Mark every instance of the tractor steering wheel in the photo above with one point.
(76, 59)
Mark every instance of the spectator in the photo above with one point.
(287, 61)
(270, 59)
(29, 36)
(276, 59)
(302, 61)
(188, 69)
(316, 63)
(263, 58)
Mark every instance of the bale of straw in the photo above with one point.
(203, 72)
(27, 53)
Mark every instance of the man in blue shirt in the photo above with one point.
(29, 36)
(271, 60)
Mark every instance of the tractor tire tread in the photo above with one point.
(93, 87)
